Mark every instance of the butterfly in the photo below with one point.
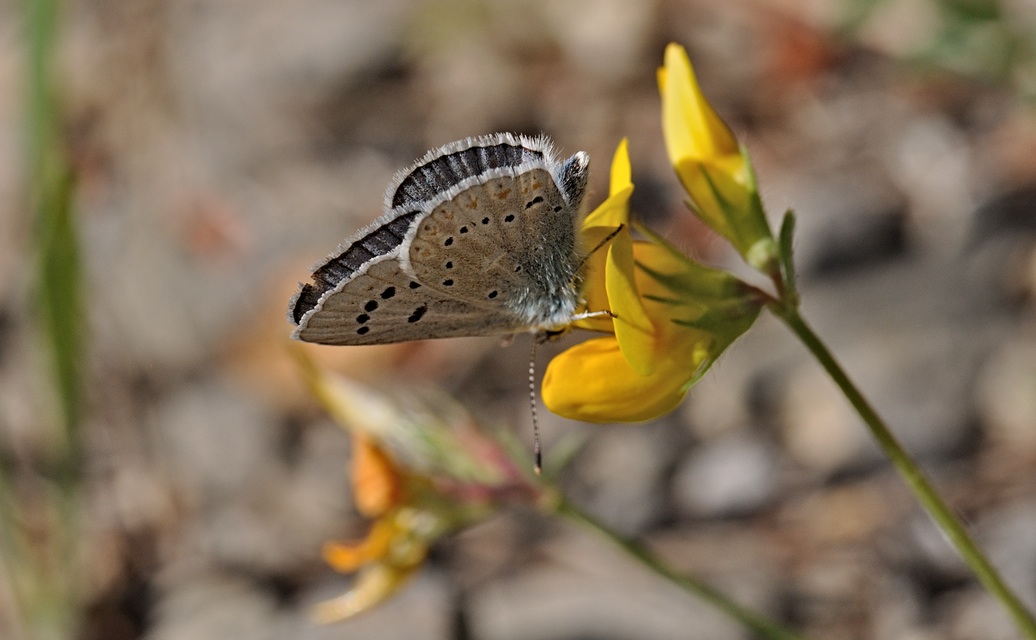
(480, 237)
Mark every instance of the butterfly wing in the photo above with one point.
(507, 245)
(480, 239)
(381, 303)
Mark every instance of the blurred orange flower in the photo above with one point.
(421, 468)
(393, 549)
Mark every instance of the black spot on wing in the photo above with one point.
(439, 174)
(376, 243)
(417, 314)
(533, 202)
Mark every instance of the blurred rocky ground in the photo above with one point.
(224, 147)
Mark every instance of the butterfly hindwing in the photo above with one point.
(382, 304)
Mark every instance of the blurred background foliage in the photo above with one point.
(989, 40)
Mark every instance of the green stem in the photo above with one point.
(915, 479)
(40, 494)
(757, 623)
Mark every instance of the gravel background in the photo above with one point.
(225, 146)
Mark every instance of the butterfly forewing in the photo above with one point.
(383, 304)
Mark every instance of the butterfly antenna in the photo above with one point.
(536, 448)
(600, 245)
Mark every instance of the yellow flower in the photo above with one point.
(713, 168)
(672, 319)
(421, 468)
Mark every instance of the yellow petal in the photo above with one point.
(614, 211)
(376, 583)
(679, 276)
(720, 196)
(602, 222)
(348, 557)
(595, 292)
(633, 328)
(690, 126)
(622, 172)
(593, 382)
